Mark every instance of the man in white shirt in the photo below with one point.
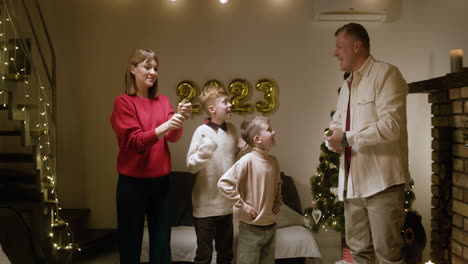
(369, 130)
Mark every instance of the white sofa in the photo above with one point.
(293, 240)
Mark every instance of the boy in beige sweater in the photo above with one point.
(254, 184)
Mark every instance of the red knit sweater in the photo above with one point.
(141, 153)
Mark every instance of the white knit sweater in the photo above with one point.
(211, 153)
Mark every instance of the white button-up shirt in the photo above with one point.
(378, 134)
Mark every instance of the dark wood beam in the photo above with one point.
(451, 80)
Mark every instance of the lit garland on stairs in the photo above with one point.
(42, 130)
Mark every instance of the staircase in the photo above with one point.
(28, 176)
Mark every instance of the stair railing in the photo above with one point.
(51, 74)
(50, 71)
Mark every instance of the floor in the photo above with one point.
(111, 257)
(328, 241)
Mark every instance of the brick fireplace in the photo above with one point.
(448, 96)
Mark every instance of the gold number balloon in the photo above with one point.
(240, 89)
(269, 93)
(212, 82)
(187, 90)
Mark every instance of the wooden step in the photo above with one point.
(14, 144)
(10, 133)
(17, 193)
(26, 106)
(10, 176)
(19, 185)
(15, 77)
(16, 157)
(32, 132)
(19, 106)
(21, 167)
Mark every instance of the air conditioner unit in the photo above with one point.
(351, 10)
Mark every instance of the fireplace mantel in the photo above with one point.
(451, 80)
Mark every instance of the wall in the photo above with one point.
(200, 40)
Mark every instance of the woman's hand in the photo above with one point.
(176, 122)
(185, 109)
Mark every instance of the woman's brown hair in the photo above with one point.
(140, 55)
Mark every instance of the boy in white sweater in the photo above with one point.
(254, 184)
(213, 150)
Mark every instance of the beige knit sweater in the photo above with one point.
(254, 180)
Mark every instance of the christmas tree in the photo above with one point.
(326, 210)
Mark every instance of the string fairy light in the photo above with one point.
(3, 92)
(16, 57)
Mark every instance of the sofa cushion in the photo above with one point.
(290, 194)
(288, 217)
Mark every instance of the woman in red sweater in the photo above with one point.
(144, 122)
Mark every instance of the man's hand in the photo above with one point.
(335, 140)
